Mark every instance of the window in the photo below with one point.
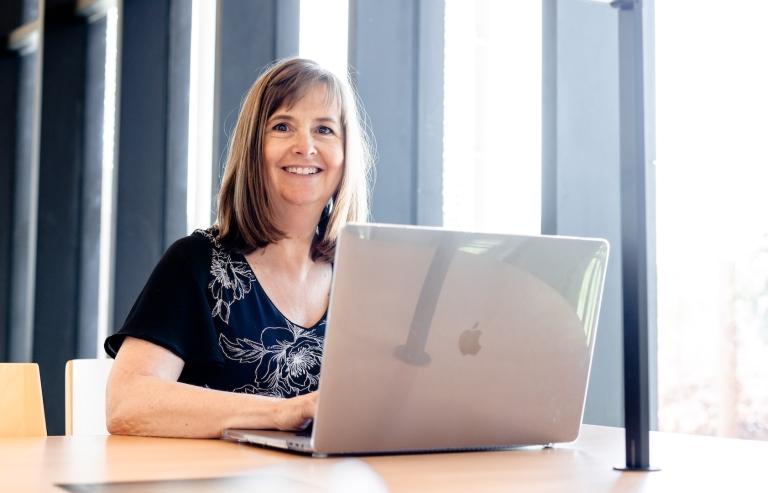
(323, 37)
(492, 129)
(107, 223)
(712, 230)
(323, 33)
(200, 142)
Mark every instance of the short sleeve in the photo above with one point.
(173, 310)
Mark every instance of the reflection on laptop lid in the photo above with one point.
(443, 340)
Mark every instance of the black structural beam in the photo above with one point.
(9, 74)
(152, 160)
(396, 60)
(19, 136)
(581, 85)
(250, 35)
(634, 236)
(581, 145)
(25, 194)
(20, 65)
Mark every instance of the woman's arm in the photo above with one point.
(145, 398)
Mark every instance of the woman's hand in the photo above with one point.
(295, 413)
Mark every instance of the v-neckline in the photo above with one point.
(275, 307)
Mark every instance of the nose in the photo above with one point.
(304, 144)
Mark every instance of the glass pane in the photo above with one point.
(712, 226)
(492, 132)
(583, 134)
(108, 184)
(323, 33)
(201, 90)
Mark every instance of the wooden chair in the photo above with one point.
(85, 396)
(21, 401)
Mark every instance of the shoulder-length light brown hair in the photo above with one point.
(245, 219)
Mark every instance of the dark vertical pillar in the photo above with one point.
(250, 35)
(9, 74)
(634, 236)
(69, 202)
(396, 58)
(60, 225)
(19, 137)
(595, 132)
(152, 159)
(178, 120)
(10, 20)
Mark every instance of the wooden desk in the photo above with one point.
(689, 463)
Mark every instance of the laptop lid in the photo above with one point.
(440, 339)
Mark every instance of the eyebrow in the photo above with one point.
(284, 116)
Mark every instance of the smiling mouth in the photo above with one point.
(302, 170)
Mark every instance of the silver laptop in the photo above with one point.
(446, 340)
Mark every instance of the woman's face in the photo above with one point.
(304, 151)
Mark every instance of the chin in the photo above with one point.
(304, 201)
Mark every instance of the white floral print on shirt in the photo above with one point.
(287, 360)
(231, 281)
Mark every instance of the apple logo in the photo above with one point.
(469, 341)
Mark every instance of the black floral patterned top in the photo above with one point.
(204, 304)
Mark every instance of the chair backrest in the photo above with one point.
(85, 396)
(21, 401)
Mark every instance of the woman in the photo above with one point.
(228, 331)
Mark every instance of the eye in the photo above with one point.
(325, 130)
(280, 127)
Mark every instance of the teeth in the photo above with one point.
(301, 171)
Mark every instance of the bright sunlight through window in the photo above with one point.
(712, 227)
(492, 133)
(200, 141)
(323, 33)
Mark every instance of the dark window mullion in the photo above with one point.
(19, 136)
(60, 218)
(397, 64)
(150, 205)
